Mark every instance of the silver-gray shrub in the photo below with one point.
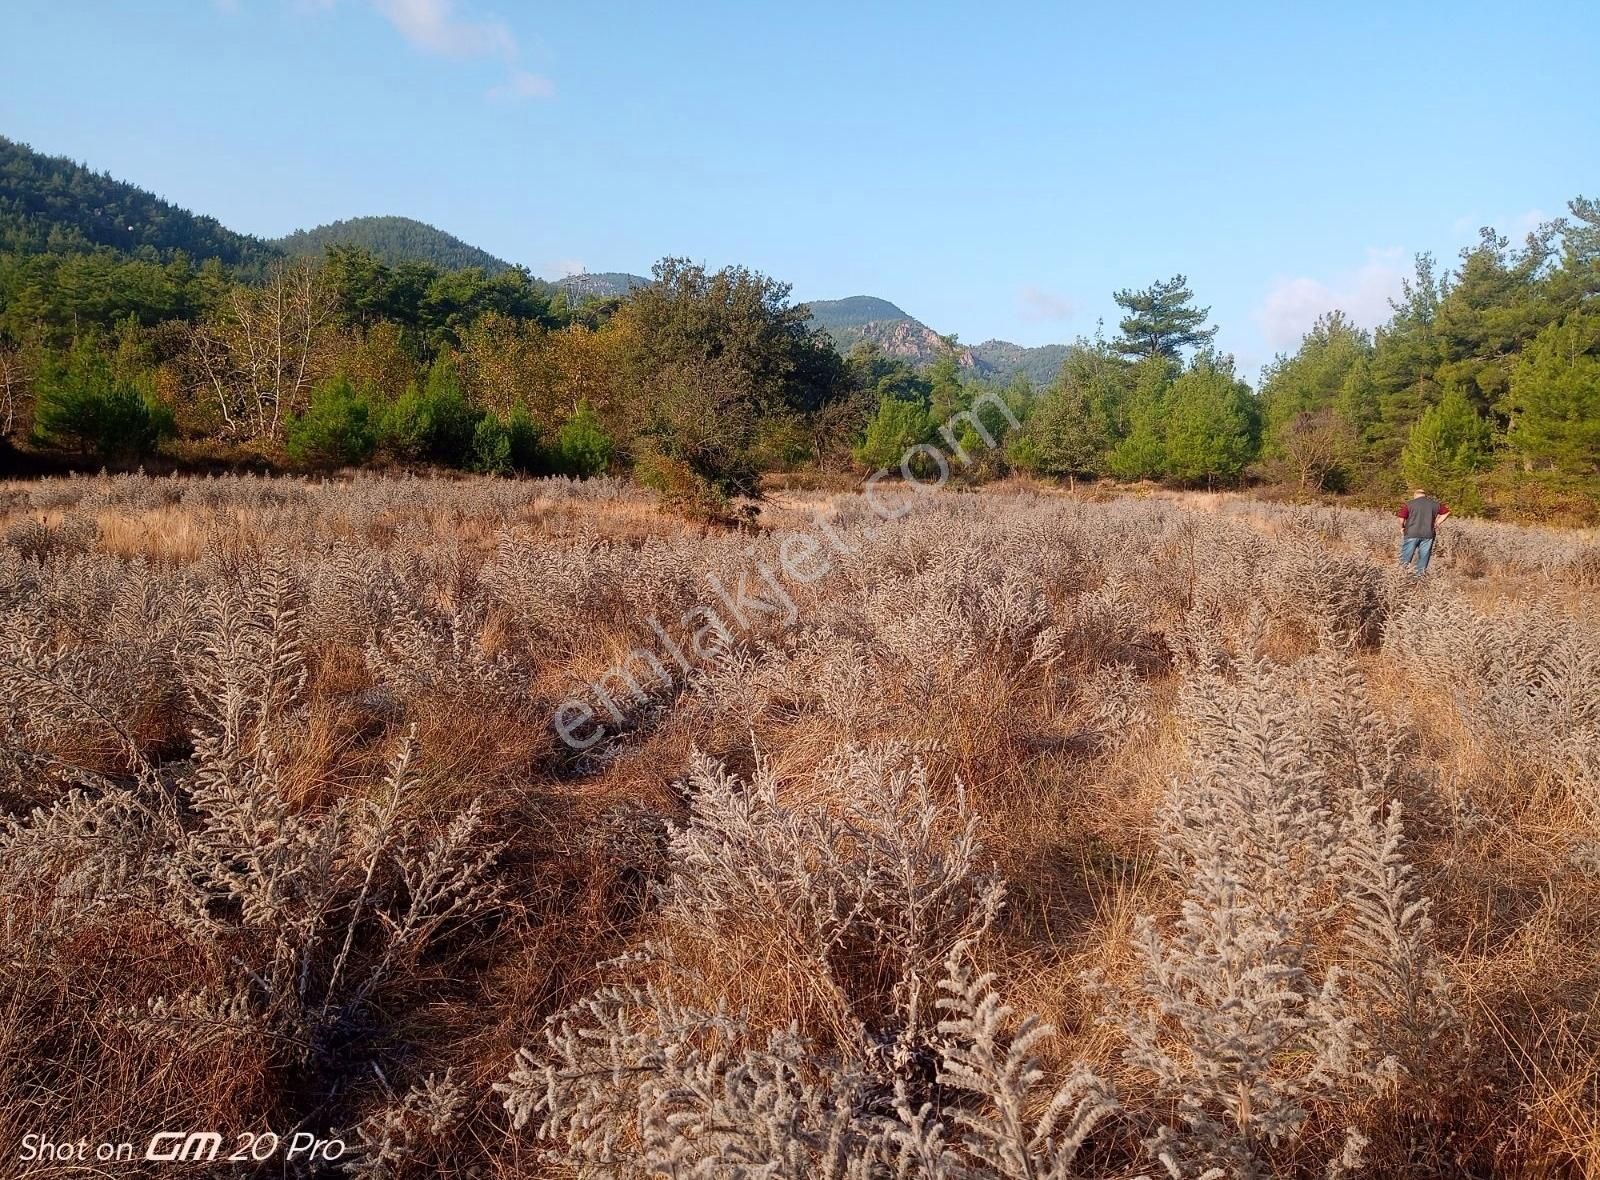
(409, 1130)
(876, 858)
(421, 650)
(85, 662)
(1285, 841)
(294, 915)
(1332, 591)
(312, 912)
(1526, 682)
(637, 1079)
(633, 1082)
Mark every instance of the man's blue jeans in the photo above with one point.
(1418, 549)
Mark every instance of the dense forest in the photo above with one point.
(134, 332)
(48, 204)
(393, 240)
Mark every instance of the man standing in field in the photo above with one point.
(1418, 516)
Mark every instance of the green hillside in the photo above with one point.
(1040, 365)
(855, 311)
(393, 240)
(51, 204)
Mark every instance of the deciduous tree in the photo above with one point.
(265, 347)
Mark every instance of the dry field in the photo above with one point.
(1019, 836)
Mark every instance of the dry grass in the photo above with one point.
(1111, 697)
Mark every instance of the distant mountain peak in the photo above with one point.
(393, 239)
(867, 318)
(854, 311)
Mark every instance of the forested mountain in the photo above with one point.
(392, 240)
(1004, 359)
(50, 204)
(867, 319)
(609, 284)
(840, 317)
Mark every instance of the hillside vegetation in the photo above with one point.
(52, 204)
(997, 836)
(841, 315)
(193, 346)
(392, 240)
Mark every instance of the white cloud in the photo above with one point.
(1292, 305)
(1038, 304)
(524, 84)
(440, 28)
(433, 26)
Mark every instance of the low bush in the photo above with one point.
(582, 446)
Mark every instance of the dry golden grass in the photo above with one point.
(1068, 814)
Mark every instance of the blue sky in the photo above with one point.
(997, 170)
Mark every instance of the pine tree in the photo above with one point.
(1581, 239)
(1405, 355)
(1069, 431)
(947, 396)
(1357, 402)
(1211, 423)
(898, 426)
(1555, 397)
(1493, 305)
(432, 422)
(583, 448)
(336, 429)
(1161, 320)
(1314, 377)
(1142, 453)
(1447, 447)
(82, 403)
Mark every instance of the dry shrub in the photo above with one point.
(289, 841)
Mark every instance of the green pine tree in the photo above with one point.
(1067, 433)
(1142, 452)
(1555, 397)
(947, 396)
(337, 428)
(894, 430)
(82, 404)
(583, 448)
(1211, 425)
(1447, 447)
(1161, 320)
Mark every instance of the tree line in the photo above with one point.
(1484, 384)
